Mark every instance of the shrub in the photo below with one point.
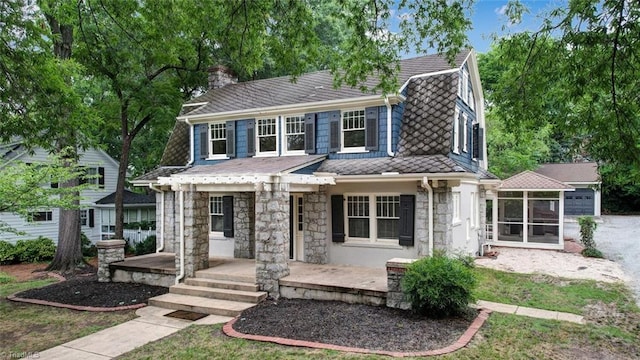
(592, 252)
(147, 246)
(40, 249)
(587, 227)
(439, 286)
(7, 253)
(88, 249)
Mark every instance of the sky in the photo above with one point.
(488, 18)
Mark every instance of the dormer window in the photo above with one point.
(293, 135)
(267, 142)
(217, 140)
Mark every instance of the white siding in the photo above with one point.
(91, 158)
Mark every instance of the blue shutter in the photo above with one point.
(231, 139)
(310, 133)
(478, 139)
(371, 128)
(251, 137)
(407, 206)
(227, 216)
(337, 218)
(204, 141)
(335, 131)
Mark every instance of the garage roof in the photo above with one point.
(571, 172)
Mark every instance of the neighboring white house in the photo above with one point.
(139, 216)
(584, 177)
(45, 222)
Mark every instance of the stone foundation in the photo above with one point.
(140, 277)
(395, 273)
(109, 251)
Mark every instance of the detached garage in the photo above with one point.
(585, 200)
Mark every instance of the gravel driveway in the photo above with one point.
(618, 237)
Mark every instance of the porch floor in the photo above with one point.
(325, 276)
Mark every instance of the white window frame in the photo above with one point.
(456, 130)
(352, 149)
(465, 132)
(465, 85)
(276, 134)
(298, 120)
(217, 198)
(221, 127)
(455, 201)
(92, 175)
(373, 220)
(48, 215)
(84, 217)
(472, 100)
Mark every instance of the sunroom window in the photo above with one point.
(529, 217)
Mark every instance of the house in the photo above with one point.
(104, 172)
(279, 171)
(584, 177)
(139, 215)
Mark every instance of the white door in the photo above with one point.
(296, 241)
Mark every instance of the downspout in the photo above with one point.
(191, 141)
(425, 184)
(161, 248)
(389, 124)
(181, 220)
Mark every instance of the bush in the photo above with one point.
(40, 249)
(147, 246)
(592, 252)
(587, 227)
(439, 286)
(7, 253)
(88, 249)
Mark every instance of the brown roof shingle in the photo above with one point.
(571, 172)
(256, 165)
(402, 165)
(529, 180)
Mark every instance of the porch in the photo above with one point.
(351, 284)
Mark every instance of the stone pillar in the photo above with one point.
(395, 273)
(272, 236)
(315, 227)
(196, 232)
(109, 251)
(244, 226)
(422, 221)
(169, 220)
(442, 218)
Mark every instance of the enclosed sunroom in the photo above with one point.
(527, 210)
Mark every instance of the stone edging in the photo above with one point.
(460, 343)
(60, 278)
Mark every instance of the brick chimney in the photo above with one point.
(220, 76)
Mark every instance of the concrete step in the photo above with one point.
(199, 304)
(222, 284)
(208, 274)
(222, 294)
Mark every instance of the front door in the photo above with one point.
(296, 227)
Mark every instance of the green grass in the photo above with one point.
(5, 278)
(31, 328)
(547, 292)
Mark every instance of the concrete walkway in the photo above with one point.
(530, 312)
(152, 325)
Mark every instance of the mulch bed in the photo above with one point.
(87, 291)
(352, 325)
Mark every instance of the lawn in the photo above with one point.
(613, 331)
(31, 328)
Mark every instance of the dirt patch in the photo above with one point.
(609, 315)
(35, 271)
(351, 325)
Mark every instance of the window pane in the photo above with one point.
(543, 234)
(216, 223)
(510, 210)
(359, 227)
(544, 211)
(544, 194)
(388, 229)
(354, 138)
(510, 232)
(268, 143)
(219, 147)
(295, 142)
(510, 194)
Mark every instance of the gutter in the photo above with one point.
(161, 248)
(191, 140)
(181, 221)
(425, 184)
(386, 102)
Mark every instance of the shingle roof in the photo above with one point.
(11, 150)
(176, 152)
(427, 121)
(312, 87)
(163, 171)
(402, 165)
(130, 198)
(255, 165)
(529, 180)
(571, 172)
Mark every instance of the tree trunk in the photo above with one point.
(122, 177)
(69, 251)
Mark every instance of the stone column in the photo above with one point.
(272, 236)
(244, 226)
(109, 251)
(196, 232)
(169, 220)
(395, 273)
(422, 221)
(315, 227)
(442, 218)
